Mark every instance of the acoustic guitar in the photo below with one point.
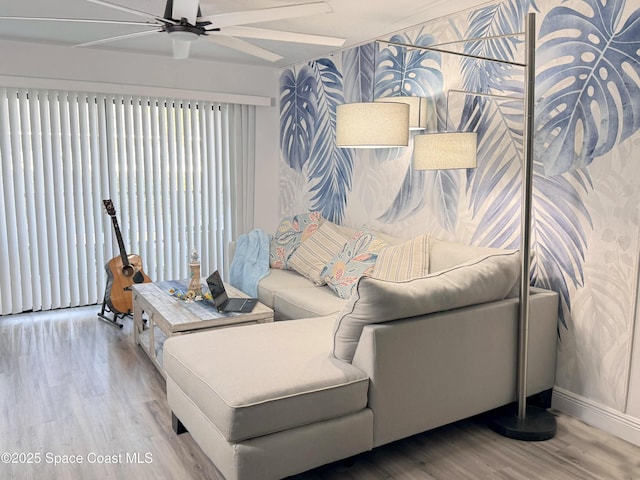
(122, 272)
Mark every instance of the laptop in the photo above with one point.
(222, 301)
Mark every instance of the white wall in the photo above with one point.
(633, 399)
(53, 66)
(267, 178)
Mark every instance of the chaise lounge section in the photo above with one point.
(393, 359)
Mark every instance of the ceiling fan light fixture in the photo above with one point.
(182, 35)
(181, 49)
(187, 33)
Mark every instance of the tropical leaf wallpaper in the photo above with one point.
(586, 209)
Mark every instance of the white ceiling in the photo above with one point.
(358, 21)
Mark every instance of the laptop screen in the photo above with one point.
(216, 287)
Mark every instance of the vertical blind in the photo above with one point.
(180, 174)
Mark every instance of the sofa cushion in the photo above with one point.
(356, 258)
(306, 302)
(404, 261)
(291, 232)
(312, 255)
(482, 280)
(288, 378)
(278, 280)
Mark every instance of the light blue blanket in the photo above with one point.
(250, 262)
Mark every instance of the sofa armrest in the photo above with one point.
(435, 369)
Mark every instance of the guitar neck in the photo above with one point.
(123, 251)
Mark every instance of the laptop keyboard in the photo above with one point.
(235, 303)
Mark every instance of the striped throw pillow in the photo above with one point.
(405, 261)
(312, 255)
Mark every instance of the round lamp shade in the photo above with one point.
(444, 151)
(372, 125)
(417, 110)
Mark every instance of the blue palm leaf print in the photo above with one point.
(358, 73)
(408, 72)
(330, 168)
(560, 239)
(559, 215)
(405, 72)
(590, 96)
(495, 183)
(297, 116)
(492, 21)
(442, 188)
(494, 186)
(409, 199)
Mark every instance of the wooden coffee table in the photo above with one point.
(167, 315)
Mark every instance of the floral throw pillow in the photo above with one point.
(356, 258)
(291, 232)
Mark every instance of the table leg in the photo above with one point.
(137, 320)
(152, 340)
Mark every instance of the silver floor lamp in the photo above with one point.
(527, 423)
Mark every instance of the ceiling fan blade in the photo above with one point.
(264, 34)
(131, 10)
(243, 46)
(186, 9)
(265, 14)
(119, 37)
(79, 20)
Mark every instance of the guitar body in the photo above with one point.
(120, 278)
(123, 271)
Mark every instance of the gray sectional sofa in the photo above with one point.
(344, 376)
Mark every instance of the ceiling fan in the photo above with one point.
(184, 23)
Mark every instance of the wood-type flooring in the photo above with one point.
(78, 400)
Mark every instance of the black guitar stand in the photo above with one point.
(114, 316)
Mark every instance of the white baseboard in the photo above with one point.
(597, 415)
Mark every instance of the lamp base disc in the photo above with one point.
(537, 425)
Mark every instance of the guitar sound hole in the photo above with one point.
(128, 271)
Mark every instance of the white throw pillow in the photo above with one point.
(482, 280)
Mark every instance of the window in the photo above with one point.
(179, 173)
